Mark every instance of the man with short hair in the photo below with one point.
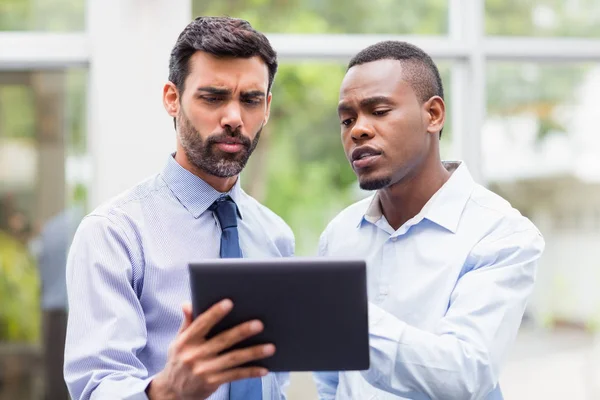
(127, 273)
(450, 264)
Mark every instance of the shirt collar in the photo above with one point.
(444, 208)
(195, 194)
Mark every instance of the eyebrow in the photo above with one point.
(253, 93)
(227, 92)
(214, 90)
(365, 103)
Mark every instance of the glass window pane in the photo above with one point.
(339, 16)
(44, 174)
(578, 18)
(42, 15)
(541, 149)
(299, 169)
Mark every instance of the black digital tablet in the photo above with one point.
(314, 310)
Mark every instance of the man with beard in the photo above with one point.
(450, 264)
(127, 271)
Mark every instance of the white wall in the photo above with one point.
(130, 42)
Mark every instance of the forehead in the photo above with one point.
(229, 72)
(377, 78)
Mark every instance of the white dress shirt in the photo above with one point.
(447, 292)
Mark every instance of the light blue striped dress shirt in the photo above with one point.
(127, 278)
(447, 292)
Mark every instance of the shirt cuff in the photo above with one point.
(124, 390)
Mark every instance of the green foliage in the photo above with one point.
(42, 15)
(307, 176)
(19, 286)
(19, 293)
(334, 16)
(16, 111)
(579, 18)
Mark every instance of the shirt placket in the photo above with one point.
(388, 260)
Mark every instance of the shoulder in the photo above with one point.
(505, 232)
(119, 217)
(497, 212)
(130, 200)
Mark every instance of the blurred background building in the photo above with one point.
(81, 119)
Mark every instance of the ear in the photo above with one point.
(435, 110)
(268, 110)
(171, 99)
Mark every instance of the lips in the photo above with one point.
(364, 156)
(230, 140)
(230, 145)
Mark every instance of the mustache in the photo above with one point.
(229, 134)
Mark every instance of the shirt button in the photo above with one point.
(394, 238)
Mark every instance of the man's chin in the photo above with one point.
(373, 183)
(228, 169)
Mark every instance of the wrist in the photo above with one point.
(158, 389)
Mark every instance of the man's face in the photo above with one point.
(222, 111)
(384, 125)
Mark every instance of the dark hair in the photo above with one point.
(221, 37)
(419, 70)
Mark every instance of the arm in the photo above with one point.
(106, 326)
(462, 358)
(107, 329)
(326, 382)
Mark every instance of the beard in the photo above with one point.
(374, 184)
(204, 155)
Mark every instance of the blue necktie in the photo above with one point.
(226, 211)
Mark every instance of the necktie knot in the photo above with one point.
(225, 210)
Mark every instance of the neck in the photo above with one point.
(219, 184)
(403, 200)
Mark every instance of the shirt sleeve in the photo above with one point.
(461, 359)
(106, 327)
(327, 381)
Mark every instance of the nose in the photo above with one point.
(362, 130)
(232, 116)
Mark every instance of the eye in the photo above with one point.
(347, 122)
(252, 101)
(380, 112)
(211, 99)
